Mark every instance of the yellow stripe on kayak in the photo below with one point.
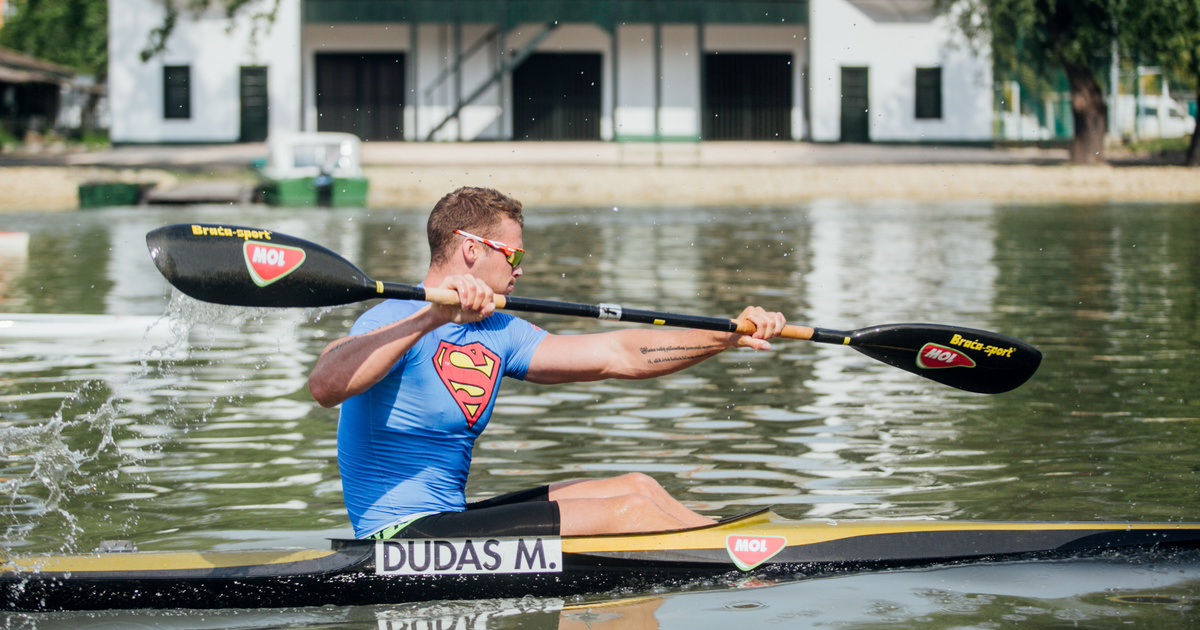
(151, 561)
(810, 532)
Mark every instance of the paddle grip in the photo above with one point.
(449, 297)
(789, 331)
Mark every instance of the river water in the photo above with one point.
(127, 412)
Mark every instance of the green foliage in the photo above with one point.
(6, 138)
(1032, 40)
(1161, 146)
(1035, 38)
(1164, 32)
(174, 9)
(72, 33)
(95, 139)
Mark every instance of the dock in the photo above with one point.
(201, 192)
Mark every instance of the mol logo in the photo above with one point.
(933, 356)
(268, 262)
(748, 552)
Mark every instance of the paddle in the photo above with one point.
(242, 266)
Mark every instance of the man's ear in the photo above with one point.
(469, 251)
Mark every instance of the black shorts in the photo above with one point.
(521, 513)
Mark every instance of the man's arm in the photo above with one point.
(641, 353)
(350, 366)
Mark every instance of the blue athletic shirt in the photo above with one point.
(404, 445)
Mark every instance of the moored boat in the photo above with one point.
(313, 169)
(360, 572)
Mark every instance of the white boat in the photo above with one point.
(320, 168)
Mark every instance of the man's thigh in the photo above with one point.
(607, 488)
(522, 513)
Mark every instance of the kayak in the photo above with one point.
(364, 572)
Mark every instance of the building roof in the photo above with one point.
(17, 67)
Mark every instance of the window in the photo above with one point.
(929, 92)
(177, 92)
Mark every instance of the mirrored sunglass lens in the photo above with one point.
(514, 258)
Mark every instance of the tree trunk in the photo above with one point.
(1090, 112)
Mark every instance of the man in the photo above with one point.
(417, 383)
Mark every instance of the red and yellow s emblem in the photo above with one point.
(470, 374)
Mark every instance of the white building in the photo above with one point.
(820, 70)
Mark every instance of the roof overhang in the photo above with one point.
(16, 75)
(602, 12)
(17, 67)
(896, 10)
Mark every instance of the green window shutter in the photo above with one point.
(177, 92)
(929, 93)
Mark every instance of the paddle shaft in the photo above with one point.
(608, 312)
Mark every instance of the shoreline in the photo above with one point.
(54, 188)
(600, 185)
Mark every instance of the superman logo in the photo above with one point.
(470, 374)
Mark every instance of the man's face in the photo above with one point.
(493, 267)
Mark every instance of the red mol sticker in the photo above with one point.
(933, 356)
(268, 263)
(748, 552)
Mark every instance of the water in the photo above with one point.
(181, 425)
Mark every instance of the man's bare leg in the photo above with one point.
(629, 514)
(629, 503)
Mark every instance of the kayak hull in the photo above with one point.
(367, 572)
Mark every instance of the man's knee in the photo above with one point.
(640, 483)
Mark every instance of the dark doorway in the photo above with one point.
(747, 97)
(856, 119)
(254, 104)
(362, 94)
(557, 97)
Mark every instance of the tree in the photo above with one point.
(260, 20)
(72, 33)
(1075, 35)
(1167, 32)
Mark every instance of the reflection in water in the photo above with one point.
(14, 255)
(199, 433)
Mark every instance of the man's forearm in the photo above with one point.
(649, 353)
(687, 354)
(350, 366)
(642, 352)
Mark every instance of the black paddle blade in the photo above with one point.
(965, 358)
(240, 266)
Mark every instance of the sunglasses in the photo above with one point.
(512, 254)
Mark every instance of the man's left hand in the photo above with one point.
(767, 325)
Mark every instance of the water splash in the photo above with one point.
(68, 449)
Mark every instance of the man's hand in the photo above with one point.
(767, 325)
(474, 300)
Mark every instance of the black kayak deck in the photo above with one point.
(359, 572)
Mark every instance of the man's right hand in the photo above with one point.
(475, 300)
